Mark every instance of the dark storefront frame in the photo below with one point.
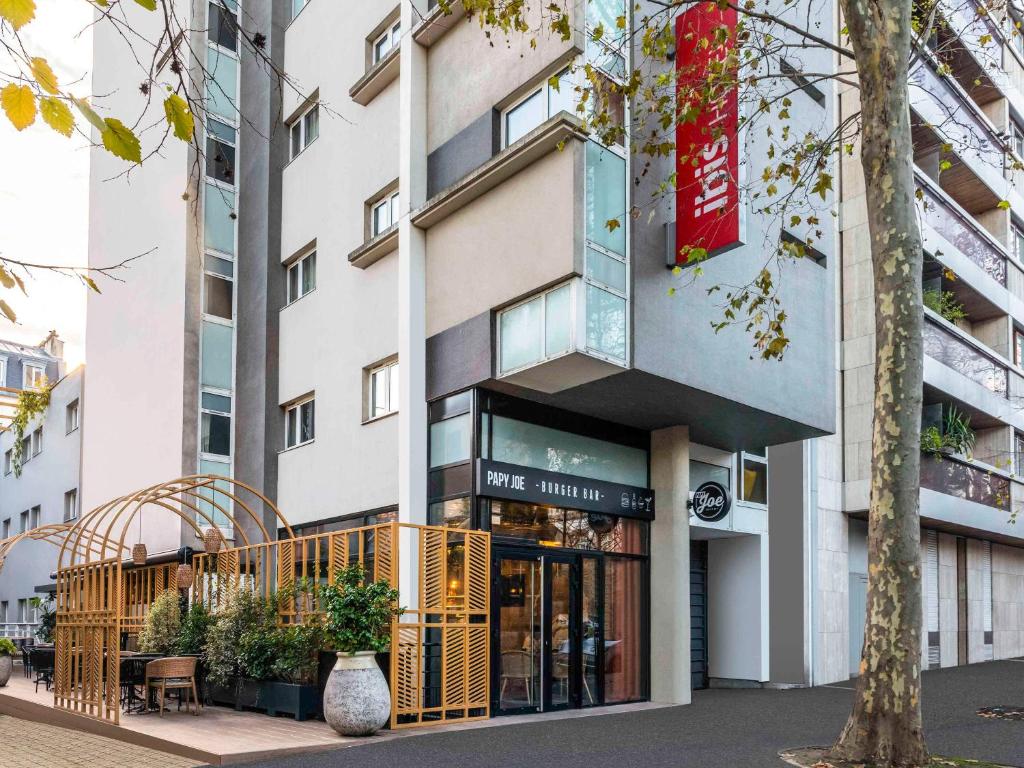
(456, 480)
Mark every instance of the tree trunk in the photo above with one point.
(885, 725)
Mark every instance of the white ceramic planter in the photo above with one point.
(356, 700)
(6, 665)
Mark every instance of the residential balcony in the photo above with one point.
(960, 495)
(943, 344)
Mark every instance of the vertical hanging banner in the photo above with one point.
(707, 145)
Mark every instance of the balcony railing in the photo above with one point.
(962, 233)
(954, 477)
(18, 629)
(946, 347)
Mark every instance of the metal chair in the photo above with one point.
(174, 673)
(515, 666)
(42, 666)
(26, 661)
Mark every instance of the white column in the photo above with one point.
(670, 567)
(412, 187)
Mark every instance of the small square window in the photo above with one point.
(34, 376)
(305, 129)
(218, 299)
(300, 425)
(220, 160)
(216, 434)
(71, 505)
(388, 41)
(302, 277)
(383, 390)
(37, 441)
(754, 481)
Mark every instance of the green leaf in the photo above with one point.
(149, 5)
(18, 12)
(89, 114)
(57, 115)
(120, 141)
(19, 104)
(179, 117)
(43, 75)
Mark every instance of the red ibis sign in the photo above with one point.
(707, 147)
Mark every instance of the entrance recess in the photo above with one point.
(547, 622)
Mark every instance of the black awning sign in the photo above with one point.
(510, 481)
(710, 502)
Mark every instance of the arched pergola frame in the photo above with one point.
(52, 533)
(90, 587)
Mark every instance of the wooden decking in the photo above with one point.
(219, 736)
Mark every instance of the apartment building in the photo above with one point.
(967, 105)
(44, 488)
(387, 291)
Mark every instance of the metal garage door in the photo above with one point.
(698, 614)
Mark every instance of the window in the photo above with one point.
(3, 611)
(384, 389)
(33, 517)
(3, 371)
(8, 461)
(754, 478)
(299, 423)
(22, 609)
(218, 296)
(450, 440)
(223, 29)
(302, 277)
(71, 505)
(215, 424)
(34, 376)
(1018, 348)
(1017, 138)
(388, 41)
(298, 5)
(305, 128)
(71, 416)
(541, 103)
(37, 441)
(535, 330)
(1018, 242)
(384, 214)
(26, 448)
(6, 528)
(701, 472)
(220, 151)
(23, 521)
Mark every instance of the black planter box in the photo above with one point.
(270, 696)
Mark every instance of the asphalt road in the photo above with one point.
(721, 729)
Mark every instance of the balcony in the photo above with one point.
(946, 346)
(942, 215)
(965, 480)
(976, 66)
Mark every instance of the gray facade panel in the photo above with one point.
(460, 357)
(463, 153)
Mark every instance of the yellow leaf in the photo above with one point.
(179, 117)
(120, 141)
(43, 74)
(19, 103)
(57, 115)
(91, 283)
(89, 114)
(18, 12)
(149, 5)
(5, 279)
(6, 309)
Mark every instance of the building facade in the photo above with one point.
(45, 488)
(388, 292)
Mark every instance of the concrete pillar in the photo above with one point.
(670, 567)
(412, 406)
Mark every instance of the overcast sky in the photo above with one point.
(44, 189)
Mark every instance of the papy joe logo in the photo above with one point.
(710, 502)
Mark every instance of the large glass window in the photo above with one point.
(450, 440)
(606, 322)
(222, 87)
(219, 219)
(540, 447)
(606, 198)
(216, 494)
(542, 103)
(535, 330)
(454, 513)
(623, 630)
(701, 472)
(217, 355)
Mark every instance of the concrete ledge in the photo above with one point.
(546, 138)
(376, 79)
(436, 24)
(376, 249)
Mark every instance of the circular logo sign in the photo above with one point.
(710, 502)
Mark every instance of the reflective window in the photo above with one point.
(305, 129)
(220, 160)
(702, 472)
(215, 434)
(540, 447)
(542, 103)
(606, 322)
(222, 84)
(454, 513)
(536, 330)
(224, 24)
(388, 41)
(219, 219)
(383, 382)
(302, 277)
(217, 494)
(217, 357)
(299, 423)
(571, 528)
(450, 440)
(755, 480)
(384, 214)
(606, 198)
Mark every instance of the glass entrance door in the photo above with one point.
(547, 631)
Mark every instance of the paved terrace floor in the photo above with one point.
(722, 729)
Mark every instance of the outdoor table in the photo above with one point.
(133, 674)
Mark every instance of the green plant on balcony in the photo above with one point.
(944, 303)
(955, 436)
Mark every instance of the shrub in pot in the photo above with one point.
(192, 635)
(159, 633)
(358, 618)
(7, 651)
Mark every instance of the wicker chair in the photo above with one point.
(173, 673)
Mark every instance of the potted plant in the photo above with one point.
(160, 630)
(7, 651)
(358, 619)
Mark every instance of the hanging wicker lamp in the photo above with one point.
(212, 540)
(184, 576)
(139, 554)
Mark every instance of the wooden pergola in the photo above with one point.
(440, 646)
